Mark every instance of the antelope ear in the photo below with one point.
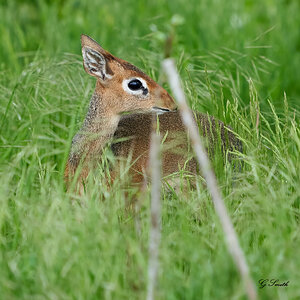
(95, 59)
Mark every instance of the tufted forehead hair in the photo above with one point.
(102, 64)
(128, 66)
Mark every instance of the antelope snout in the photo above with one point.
(165, 102)
(170, 103)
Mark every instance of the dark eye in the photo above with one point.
(135, 85)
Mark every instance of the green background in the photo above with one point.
(236, 58)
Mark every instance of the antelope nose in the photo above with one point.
(172, 104)
(174, 107)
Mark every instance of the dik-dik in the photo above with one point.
(121, 114)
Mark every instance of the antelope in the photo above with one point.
(121, 113)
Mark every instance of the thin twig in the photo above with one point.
(155, 229)
(190, 124)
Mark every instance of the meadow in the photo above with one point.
(238, 60)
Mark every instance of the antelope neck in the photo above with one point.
(97, 129)
(98, 120)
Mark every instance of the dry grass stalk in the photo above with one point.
(155, 225)
(230, 234)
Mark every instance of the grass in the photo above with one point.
(236, 58)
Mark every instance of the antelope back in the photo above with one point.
(177, 153)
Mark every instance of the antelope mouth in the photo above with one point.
(154, 109)
(160, 110)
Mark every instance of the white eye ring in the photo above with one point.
(142, 92)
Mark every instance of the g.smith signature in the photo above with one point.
(272, 282)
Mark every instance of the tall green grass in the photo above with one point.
(237, 59)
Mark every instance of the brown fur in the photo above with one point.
(104, 123)
(137, 128)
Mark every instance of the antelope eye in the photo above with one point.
(135, 84)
